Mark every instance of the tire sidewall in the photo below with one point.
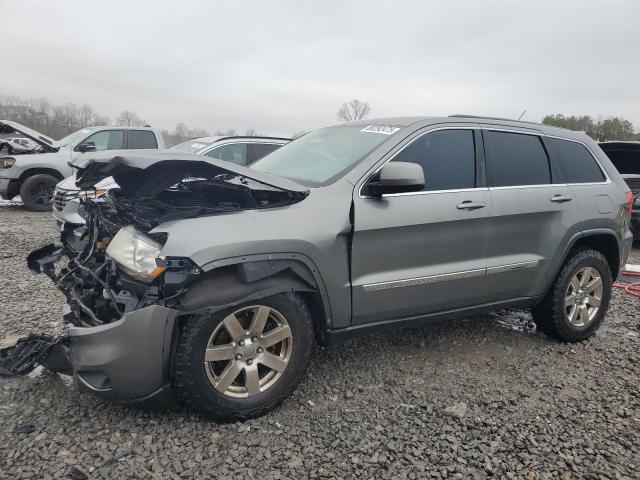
(598, 262)
(25, 193)
(198, 384)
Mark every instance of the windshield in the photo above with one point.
(321, 155)
(73, 137)
(190, 146)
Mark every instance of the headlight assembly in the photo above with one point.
(8, 162)
(135, 253)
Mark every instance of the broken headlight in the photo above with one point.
(8, 162)
(135, 253)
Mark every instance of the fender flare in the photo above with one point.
(226, 289)
(578, 236)
(255, 276)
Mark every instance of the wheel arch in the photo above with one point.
(230, 282)
(603, 240)
(38, 171)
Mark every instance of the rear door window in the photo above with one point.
(141, 139)
(516, 159)
(259, 150)
(447, 158)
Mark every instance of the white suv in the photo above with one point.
(34, 176)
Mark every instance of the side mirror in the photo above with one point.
(86, 147)
(397, 177)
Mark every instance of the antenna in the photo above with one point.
(523, 112)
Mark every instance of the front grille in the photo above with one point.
(58, 200)
(62, 197)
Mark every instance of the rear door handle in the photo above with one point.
(561, 198)
(469, 205)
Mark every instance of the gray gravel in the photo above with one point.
(479, 398)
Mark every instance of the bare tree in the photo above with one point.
(227, 133)
(86, 115)
(353, 110)
(129, 119)
(181, 130)
(251, 133)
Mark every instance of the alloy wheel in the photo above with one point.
(583, 297)
(248, 352)
(42, 193)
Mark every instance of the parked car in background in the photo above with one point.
(194, 145)
(625, 156)
(34, 177)
(18, 145)
(207, 283)
(238, 150)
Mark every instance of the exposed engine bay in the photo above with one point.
(114, 265)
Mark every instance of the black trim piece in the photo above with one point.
(481, 163)
(337, 336)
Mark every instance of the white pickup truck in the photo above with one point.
(34, 176)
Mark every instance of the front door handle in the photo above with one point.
(469, 205)
(561, 198)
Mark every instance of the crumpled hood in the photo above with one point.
(47, 143)
(146, 174)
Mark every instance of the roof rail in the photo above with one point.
(263, 137)
(459, 115)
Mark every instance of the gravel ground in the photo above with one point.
(480, 398)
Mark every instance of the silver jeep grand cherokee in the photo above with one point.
(207, 283)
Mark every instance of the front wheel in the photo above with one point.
(578, 300)
(242, 362)
(37, 192)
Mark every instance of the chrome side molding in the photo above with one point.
(444, 277)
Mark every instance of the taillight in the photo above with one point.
(629, 202)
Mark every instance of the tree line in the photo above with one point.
(601, 129)
(57, 121)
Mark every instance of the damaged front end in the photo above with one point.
(123, 296)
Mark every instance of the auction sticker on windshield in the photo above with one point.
(384, 129)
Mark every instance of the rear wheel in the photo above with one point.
(243, 362)
(37, 192)
(578, 300)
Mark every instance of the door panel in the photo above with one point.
(418, 253)
(527, 231)
(531, 219)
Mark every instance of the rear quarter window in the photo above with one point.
(575, 162)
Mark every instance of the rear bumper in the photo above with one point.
(127, 360)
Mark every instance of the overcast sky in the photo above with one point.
(284, 66)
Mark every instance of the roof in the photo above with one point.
(420, 121)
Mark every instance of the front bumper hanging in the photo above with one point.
(126, 360)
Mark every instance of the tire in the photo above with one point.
(9, 149)
(553, 315)
(37, 192)
(194, 380)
